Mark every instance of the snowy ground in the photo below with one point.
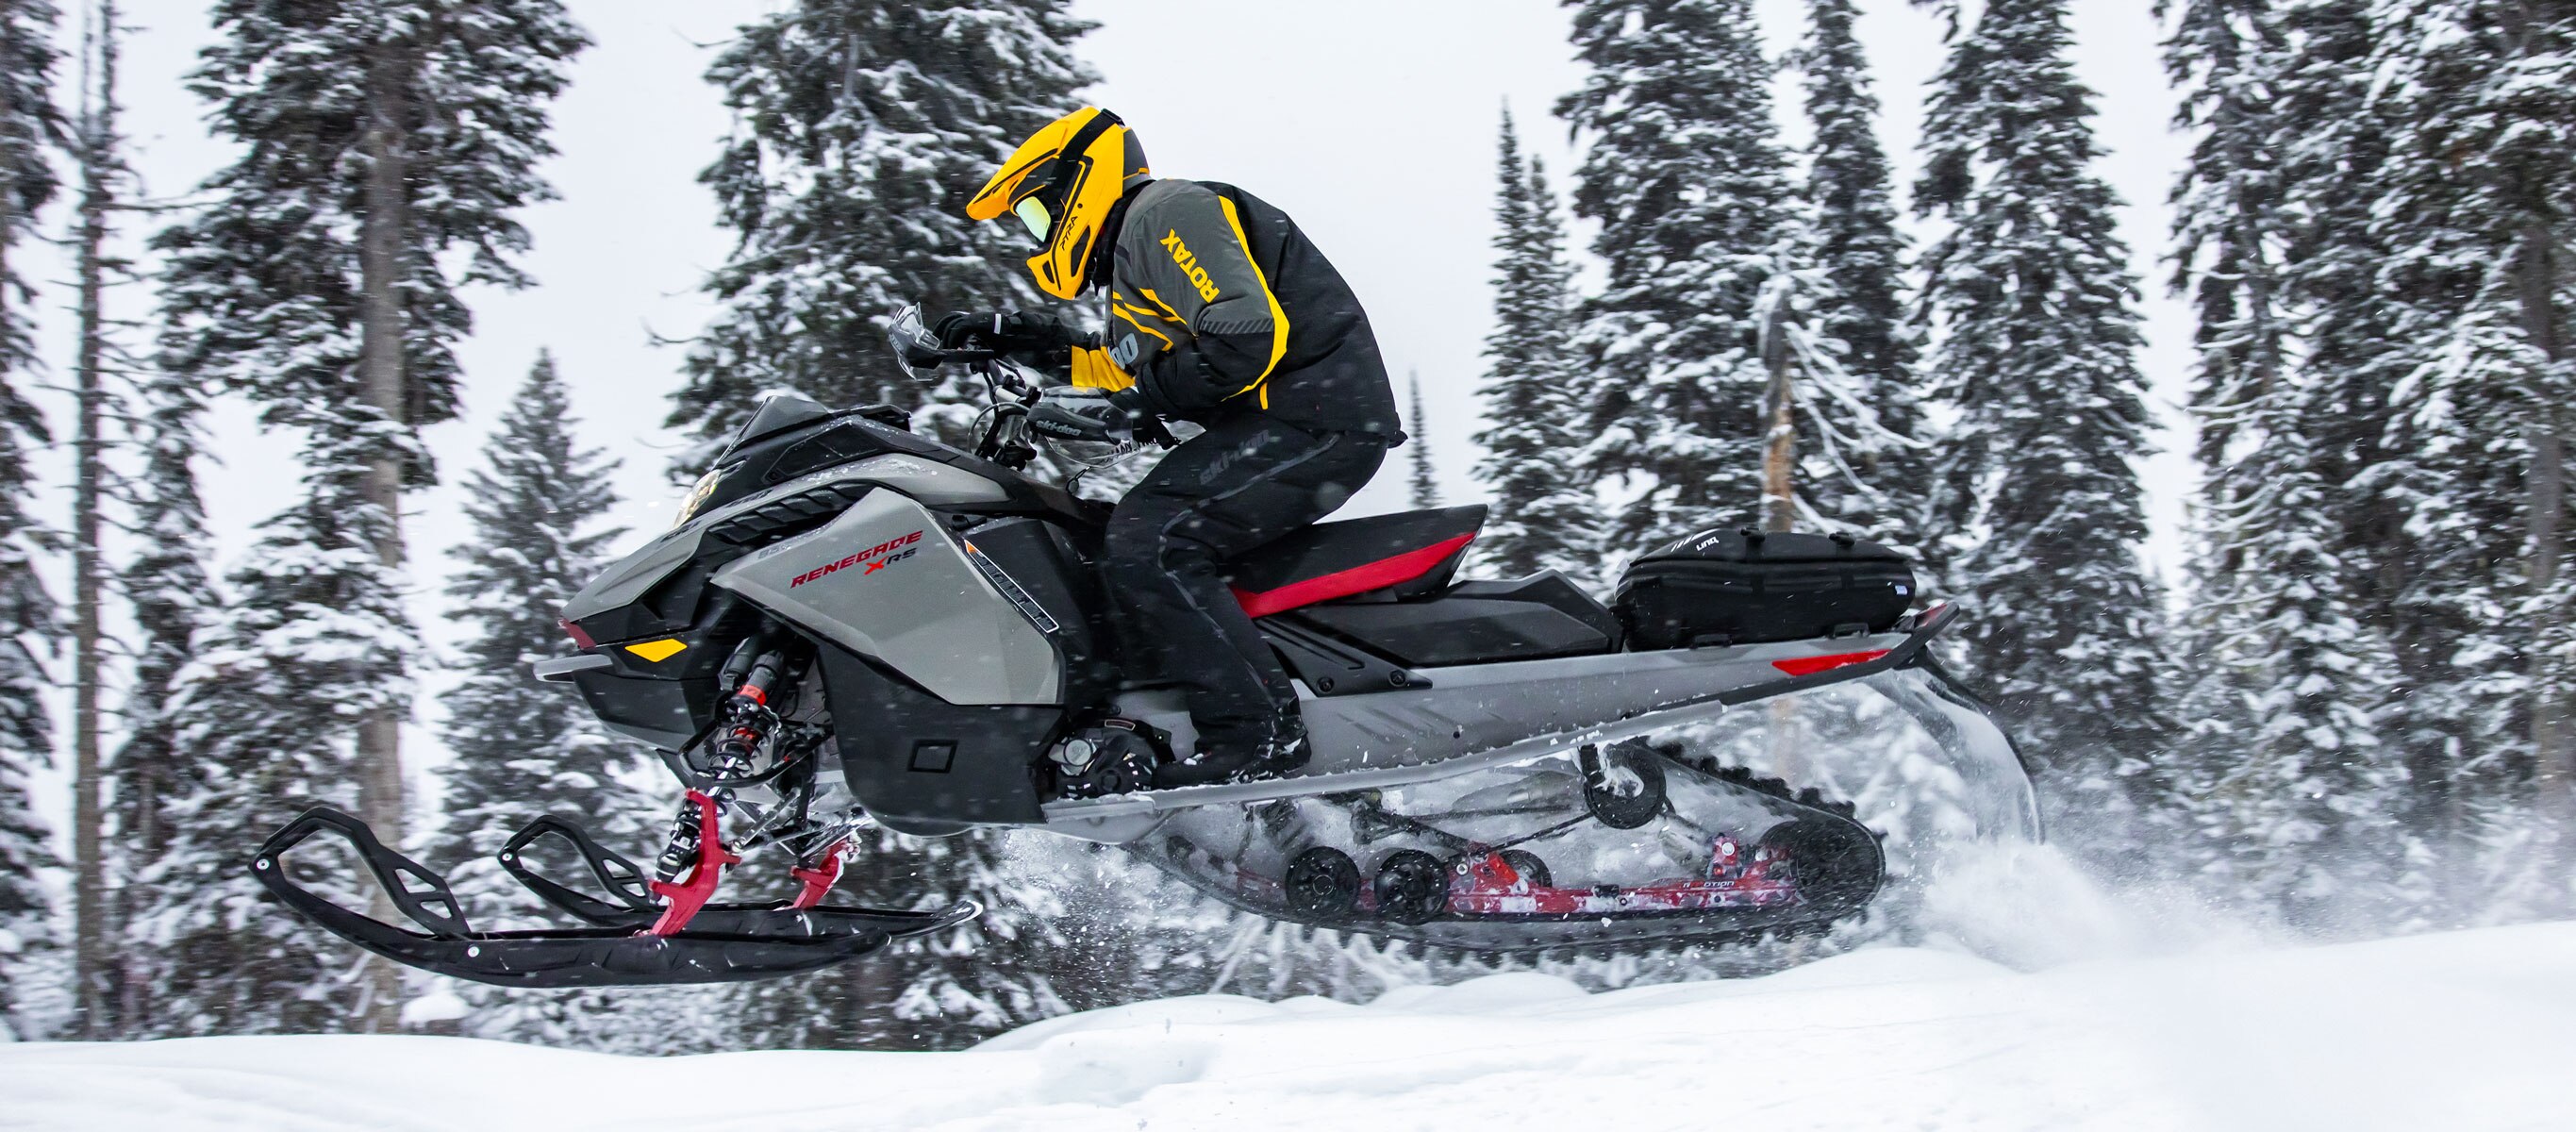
(2466, 1030)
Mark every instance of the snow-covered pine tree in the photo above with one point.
(2287, 770)
(2479, 98)
(1685, 174)
(2330, 142)
(1545, 514)
(1422, 487)
(386, 146)
(2028, 294)
(861, 127)
(2287, 773)
(524, 748)
(1879, 484)
(2228, 229)
(2227, 239)
(2296, 796)
(314, 638)
(29, 124)
(30, 127)
(521, 746)
(171, 594)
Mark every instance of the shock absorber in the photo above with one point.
(754, 672)
(748, 717)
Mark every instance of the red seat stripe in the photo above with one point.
(1376, 575)
(1811, 665)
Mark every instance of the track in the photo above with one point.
(1241, 856)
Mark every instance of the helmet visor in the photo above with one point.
(1033, 215)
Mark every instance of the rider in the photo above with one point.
(1222, 313)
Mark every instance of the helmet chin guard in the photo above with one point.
(1075, 169)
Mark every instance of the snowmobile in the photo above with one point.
(853, 625)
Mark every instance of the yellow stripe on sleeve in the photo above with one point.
(1165, 307)
(1129, 314)
(1278, 317)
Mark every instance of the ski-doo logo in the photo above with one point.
(1189, 265)
(876, 557)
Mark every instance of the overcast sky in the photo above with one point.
(1372, 123)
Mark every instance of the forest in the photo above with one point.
(2346, 715)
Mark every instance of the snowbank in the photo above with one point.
(2465, 1030)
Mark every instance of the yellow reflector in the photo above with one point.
(657, 651)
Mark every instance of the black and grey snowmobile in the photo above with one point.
(853, 624)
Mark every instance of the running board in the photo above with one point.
(1483, 715)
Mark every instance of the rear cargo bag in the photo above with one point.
(1738, 587)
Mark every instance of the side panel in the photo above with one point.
(887, 581)
(626, 582)
(659, 712)
(1475, 716)
(921, 766)
(1063, 589)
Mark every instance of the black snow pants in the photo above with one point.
(1246, 481)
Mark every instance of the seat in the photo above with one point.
(1408, 554)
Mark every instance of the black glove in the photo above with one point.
(1032, 336)
(1068, 413)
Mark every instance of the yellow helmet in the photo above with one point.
(1061, 183)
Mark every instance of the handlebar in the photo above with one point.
(1008, 440)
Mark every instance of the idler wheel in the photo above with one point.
(1835, 866)
(1412, 887)
(1323, 885)
(1527, 864)
(1623, 786)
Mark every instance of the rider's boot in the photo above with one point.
(1281, 753)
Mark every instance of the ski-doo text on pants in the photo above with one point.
(1248, 480)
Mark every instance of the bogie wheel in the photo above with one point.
(1412, 887)
(1323, 885)
(1623, 786)
(1532, 870)
(1835, 866)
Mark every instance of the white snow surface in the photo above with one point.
(2466, 1030)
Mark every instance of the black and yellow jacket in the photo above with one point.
(1219, 305)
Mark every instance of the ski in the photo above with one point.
(720, 942)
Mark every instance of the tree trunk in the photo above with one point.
(2553, 755)
(92, 955)
(1780, 446)
(381, 383)
(1779, 511)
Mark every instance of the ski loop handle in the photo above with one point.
(420, 894)
(623, 878)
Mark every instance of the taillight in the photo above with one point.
(1811, 665)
